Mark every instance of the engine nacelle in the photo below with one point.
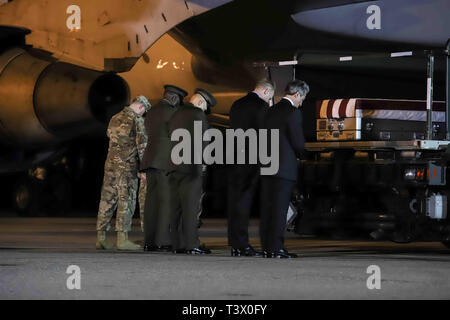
(43, 102)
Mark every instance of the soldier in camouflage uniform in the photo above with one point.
(127, 142)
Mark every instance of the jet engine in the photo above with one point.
(43, 102)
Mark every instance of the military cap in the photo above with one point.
(207, 96)
(182, 93)
(141, 99)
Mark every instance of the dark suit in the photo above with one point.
(246, 113)
(186, 180)
(276, 190)
(155, 164)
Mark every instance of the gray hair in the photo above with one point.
(265, 84)
(297, 86)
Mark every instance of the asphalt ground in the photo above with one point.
(36, 255)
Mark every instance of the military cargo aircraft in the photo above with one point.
(67, 66)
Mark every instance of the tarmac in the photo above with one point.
(36, 255)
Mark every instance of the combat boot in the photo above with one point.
(101, 243)
(124, 244)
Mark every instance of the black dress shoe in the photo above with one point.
(284, 254)
(150, 247)
(199, 250)
(267, 254)
(248, 252)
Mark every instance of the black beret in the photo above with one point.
(207, 96)
(182, 93)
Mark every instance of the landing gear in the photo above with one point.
(23, 197)
(41, 194)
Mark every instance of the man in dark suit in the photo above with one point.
(155, 165)
(276, 189)
(243, 179)
(185, 176)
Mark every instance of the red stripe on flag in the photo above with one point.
(343, 108)
(330, 109)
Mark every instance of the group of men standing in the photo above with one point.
(142, 149)
(173, 192)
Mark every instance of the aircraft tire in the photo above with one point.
(24, 198)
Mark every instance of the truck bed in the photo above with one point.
(374, 145)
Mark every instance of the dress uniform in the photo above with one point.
(243, 179)
(155, 164)
(186, 179)
(275, 193)
(127, 142)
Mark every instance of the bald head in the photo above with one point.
(265, 89)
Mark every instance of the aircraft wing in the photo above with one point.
(96, 34)
(421, 22)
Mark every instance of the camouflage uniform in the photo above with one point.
(127, 142)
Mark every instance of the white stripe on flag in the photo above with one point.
(350, 109)
(336, 105)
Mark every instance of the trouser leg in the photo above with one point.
(151, 208)
(190, 192)
(108, 201)
(127, 190)
(241, 194)
(175, 230)
(157, 208)
(141, 198)
(266, 203)
(231, 196)
(162, 236)
(282, 191)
